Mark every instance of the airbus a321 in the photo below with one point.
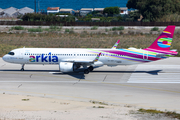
(71, 59)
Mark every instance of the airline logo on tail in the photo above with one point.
(166, 40)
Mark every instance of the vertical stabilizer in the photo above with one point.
(163, 42)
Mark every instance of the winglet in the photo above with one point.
(97, 58)
(115, 45)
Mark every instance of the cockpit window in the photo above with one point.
(11, 53)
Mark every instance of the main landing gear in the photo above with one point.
(22, 69)
(89, 69)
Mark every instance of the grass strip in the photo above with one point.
(166, 113)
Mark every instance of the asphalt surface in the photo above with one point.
(153, 85)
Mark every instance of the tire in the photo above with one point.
(91, 68)
(86, 71)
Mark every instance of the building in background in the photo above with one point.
(63, 10)
(123, 10)
(10, 12)
(1, 11)
(85, 11)
(52, 10)
(14, 12)
(26, 10)
(100, 10)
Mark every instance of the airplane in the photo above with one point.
(71, 59)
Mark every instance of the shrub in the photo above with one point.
(118, 28)
(170, 18)
(67, 30)
(155, 29)
(94, 28)
(53, 27)
(146, 20)
(114, 28)
(35, 30)
(63, 14)
(49, 18)
(17, 28)
(106, 30)
(111, 10)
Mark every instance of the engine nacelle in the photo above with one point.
(66, 67)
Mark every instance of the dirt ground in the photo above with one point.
(18, 107)
(13, 107)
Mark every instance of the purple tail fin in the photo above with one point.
(163, 42)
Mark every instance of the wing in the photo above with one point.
(83, 61)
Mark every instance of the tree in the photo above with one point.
(134, 16)
(154, 9)
(111, 10)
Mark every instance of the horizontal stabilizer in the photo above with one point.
(159, 55)
(174, 50)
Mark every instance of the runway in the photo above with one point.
(152, 85)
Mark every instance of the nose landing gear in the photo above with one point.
(22, 69)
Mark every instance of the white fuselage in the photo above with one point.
(57, 55)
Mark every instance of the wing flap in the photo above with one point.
(77, 60)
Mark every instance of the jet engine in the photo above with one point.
(68, 67)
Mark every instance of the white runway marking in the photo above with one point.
(150, 82)
(36, 81)
(54, 72)
(82, 82)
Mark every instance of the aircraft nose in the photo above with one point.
(4, 58)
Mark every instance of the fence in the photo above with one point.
(40, 23)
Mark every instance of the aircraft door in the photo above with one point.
(21, 54)
(107, 56)
(145, 55)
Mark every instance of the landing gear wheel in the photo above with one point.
(86, 71)
(91, 68)
(22, 69)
